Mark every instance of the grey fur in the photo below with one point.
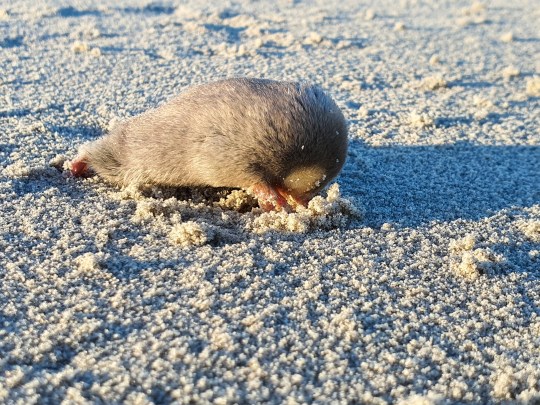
(229, 133)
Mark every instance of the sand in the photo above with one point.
(415, 279)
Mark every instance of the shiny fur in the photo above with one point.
(229, 133)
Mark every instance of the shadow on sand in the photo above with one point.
(411, 185)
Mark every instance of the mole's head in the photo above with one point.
(307, 151)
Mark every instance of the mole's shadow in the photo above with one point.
(411, 185)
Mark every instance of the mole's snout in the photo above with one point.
(304, 181)
(297, 189)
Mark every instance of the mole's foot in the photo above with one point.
(79, 168)
(268, 197)
(275, 198)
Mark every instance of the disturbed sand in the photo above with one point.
(415, 279)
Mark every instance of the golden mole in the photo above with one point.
(281, 141)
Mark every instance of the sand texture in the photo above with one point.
(414, 279)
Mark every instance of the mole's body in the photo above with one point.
(284, 141)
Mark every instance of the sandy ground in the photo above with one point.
(415, 279)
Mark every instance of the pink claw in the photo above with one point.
(269, 199)
(275, 198)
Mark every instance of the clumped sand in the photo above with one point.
(413, 279)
